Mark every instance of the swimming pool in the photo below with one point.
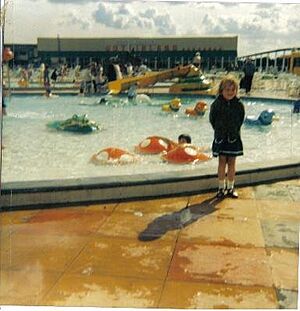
(34, 152)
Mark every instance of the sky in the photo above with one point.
(260, 26)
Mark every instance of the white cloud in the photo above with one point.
(73, 18)
(259, 26)
(124, 16)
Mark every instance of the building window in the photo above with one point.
(144, 48)
(166, 48)
(174, 47)
(108, 48)
(115, 47)
(158, 48)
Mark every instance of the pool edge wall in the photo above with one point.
(84, 191)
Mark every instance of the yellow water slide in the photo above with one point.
(149, 78)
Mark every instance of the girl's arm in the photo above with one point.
(242, 114)
(212, 115)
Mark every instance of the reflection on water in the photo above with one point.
(33, 151)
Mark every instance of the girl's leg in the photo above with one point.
(221, 175)
(231, 168)
(231, 177)
(222, 167)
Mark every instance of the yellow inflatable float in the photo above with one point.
(155, 145)
(184, 154)
(23, 83)
(199, 109)
(173, 106)
(113, 155)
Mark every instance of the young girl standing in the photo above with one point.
(226, 117)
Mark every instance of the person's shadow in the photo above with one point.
(177, 220)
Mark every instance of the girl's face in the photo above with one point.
(229, 91)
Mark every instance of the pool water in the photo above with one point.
(35, 152)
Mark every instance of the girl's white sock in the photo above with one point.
(230, 184)
(222, 184)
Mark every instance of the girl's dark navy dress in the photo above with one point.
(226, 118)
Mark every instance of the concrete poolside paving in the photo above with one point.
(179, 252)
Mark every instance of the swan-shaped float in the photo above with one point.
(184, 154)
(113, 155)
(154, 145)
(266, 117)
(79, 124)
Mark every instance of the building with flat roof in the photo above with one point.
(157, 52)
(163, 52)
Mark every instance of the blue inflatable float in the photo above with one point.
(296, 108)
(266, 117)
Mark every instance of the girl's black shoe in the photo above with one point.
(232, 193)
(220, 193)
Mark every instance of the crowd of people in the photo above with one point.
(94, 77)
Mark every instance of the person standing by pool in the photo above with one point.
(54, 76)
(47, 84)
(3, 111)
(87, 78)
(197, 60)
(226, 116)
(249, 70)
(5, 94)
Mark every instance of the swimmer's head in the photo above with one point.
(184, 139)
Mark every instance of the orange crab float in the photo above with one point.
(173, 106)
(155, 145)
(7, 54)
(198, 110)
(184, 154)
(113, 156)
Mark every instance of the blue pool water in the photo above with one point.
(35, 152)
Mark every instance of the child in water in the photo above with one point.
(132, 92)
(226, 117)
(184, 139)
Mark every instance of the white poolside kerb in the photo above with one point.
(39, 194)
